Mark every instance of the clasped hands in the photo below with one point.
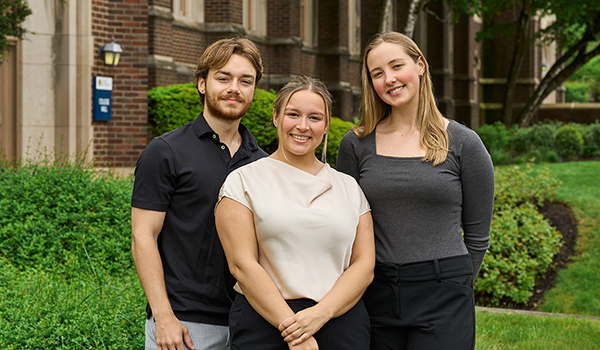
(298, 330)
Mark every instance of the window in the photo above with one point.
(354, 27)
(189, 10)
(255, 16)
(308, 22)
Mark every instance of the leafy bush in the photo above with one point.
(591, 139)
(523, 243)
(538, 136)
(569, 141)
(337, 129)
(577, 91)
(259, 120)
(52, 208)
(170, 107)
(496, 139)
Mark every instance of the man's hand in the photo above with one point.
(171, 334)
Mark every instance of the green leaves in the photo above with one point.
(523, 243)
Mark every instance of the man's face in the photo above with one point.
(229, 90)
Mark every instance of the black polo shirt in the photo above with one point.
(180, 173)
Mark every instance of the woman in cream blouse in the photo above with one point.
(298, 237)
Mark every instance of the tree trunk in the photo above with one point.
(413, 14)
(517, 62)
(550, 83)
(385, 14)
(556, 75)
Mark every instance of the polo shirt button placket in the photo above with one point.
(222, 147)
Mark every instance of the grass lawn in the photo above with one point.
(522, 332)
(577, 289)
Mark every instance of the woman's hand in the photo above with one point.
(309, 344)
(303, 325)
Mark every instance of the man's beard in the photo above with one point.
(211, 104)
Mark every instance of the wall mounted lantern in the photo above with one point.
(111, 53)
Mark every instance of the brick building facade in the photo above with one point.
(162, 39)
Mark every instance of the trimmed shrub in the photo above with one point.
(591, 139)
(496, 139)
(538, 136)
(259, 120)
(569, 141)
(337, 129)
(170, 107)
(523, 243)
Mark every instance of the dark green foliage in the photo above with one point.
(591, 139)
(584, 84)
(569, 141)
(496, 139)
(259, 120)
(577, 91)
(538, 136)
(59, 215)
(337, 129)
(12, 15)
(523, 243)
(170, 107)
(540, 143)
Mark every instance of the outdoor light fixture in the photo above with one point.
(111, 53)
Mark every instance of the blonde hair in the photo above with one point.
(430, 121)
(218, 54)
(305, 83)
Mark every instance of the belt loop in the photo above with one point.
(436, 264)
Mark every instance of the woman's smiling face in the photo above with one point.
(395, 75)
(303, 123)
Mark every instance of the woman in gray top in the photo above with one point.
(430, 183)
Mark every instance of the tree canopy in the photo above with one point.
(12, 15)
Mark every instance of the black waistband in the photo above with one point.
(419, 271)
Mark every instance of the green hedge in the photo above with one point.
(523, 243)
(170, 107)
(545, 142)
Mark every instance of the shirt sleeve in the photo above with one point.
(234, 187)
(477, 177)
(347, 159)
(155, 177)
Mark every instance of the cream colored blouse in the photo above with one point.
(305, 224)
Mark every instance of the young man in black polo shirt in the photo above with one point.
(177, 253)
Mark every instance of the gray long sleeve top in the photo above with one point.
(424, 212)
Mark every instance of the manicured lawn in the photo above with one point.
(522, 332)
(577, 290)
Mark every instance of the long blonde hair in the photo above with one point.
(305, 83)
(430, 121)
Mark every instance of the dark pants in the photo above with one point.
(249, 331)
(424, 305)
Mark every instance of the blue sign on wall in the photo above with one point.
(102, 98)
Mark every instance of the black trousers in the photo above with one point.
(425, 305)
(249, 331)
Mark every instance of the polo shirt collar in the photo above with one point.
(201, 128)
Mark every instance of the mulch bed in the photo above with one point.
(562, 218)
